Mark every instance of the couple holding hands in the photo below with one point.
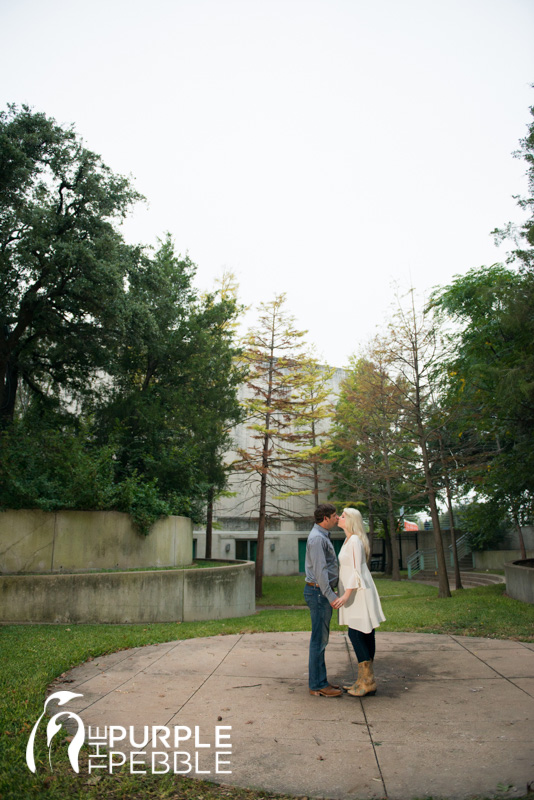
(358, 602)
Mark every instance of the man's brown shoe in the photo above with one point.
(326, 691)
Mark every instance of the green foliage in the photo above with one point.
(485, 523)
(489, 377)
(117, 381)
(62, 261)
(54, 466)
(488, 383)
(174, 394)
(51, 469)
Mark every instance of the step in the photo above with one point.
(468, 578)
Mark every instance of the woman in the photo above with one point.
(358, 602)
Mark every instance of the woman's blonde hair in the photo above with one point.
(355, 526)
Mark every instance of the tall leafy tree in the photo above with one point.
(412, 350)
(369, 456)
(175, 382)
(490, 373)
(273, 355)
(62, 260)
(109, 359)
(489, 379)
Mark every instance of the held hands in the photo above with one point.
(341, 600)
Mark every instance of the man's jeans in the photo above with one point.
(321, 613)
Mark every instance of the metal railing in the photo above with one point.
(463, 548)
(420, 560)
(428, 559)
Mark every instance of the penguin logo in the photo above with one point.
(54, 727)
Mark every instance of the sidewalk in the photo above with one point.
(453, 716)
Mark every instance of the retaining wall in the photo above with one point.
(174, 595)
(40, 541)
(496, 559)
(520, 580)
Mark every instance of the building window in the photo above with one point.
(304, 524)
(245, 549)
(247, 524)
(235, 523)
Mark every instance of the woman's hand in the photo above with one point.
(343, 599)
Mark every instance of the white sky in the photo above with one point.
(322, 148)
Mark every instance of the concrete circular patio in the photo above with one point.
(453, 716)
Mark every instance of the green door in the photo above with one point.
(302, 555)
(338, 544)
(302, 551)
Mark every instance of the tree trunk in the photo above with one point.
(457, 575)
(371, 534)
(395, 572)
(316, 484)
(262, 512)
(443, 578)
(8, 392)
(209, 523)
(261, 535)
(315, 468)
(520, 533)
(387, 538)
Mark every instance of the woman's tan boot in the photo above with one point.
(367, 684)
(350, 687)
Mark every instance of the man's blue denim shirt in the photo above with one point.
(321, 562)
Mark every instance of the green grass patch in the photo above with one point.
(288, 590)
(31, 656)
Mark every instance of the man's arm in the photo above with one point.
(320, 570)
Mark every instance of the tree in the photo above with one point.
(273, 356)
(489, 378)
(175, 381)
(108, 356)
(369, 456)
(411, 350)
(62, 261)
(313, 402)
(218, 472)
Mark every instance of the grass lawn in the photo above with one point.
(31, 656)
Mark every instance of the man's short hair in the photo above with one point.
(323, 511)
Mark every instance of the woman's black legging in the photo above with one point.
(363, 643)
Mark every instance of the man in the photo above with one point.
(321, 577)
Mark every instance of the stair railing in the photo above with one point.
(463, 548)
(420, 560)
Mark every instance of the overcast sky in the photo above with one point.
(321, 148)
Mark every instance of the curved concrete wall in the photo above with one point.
(174, 595)
(520, 580)
(40, 541)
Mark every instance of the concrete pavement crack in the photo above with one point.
(206, 679)
(374, 750)
(499, 674)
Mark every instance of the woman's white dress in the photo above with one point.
(363, 611)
